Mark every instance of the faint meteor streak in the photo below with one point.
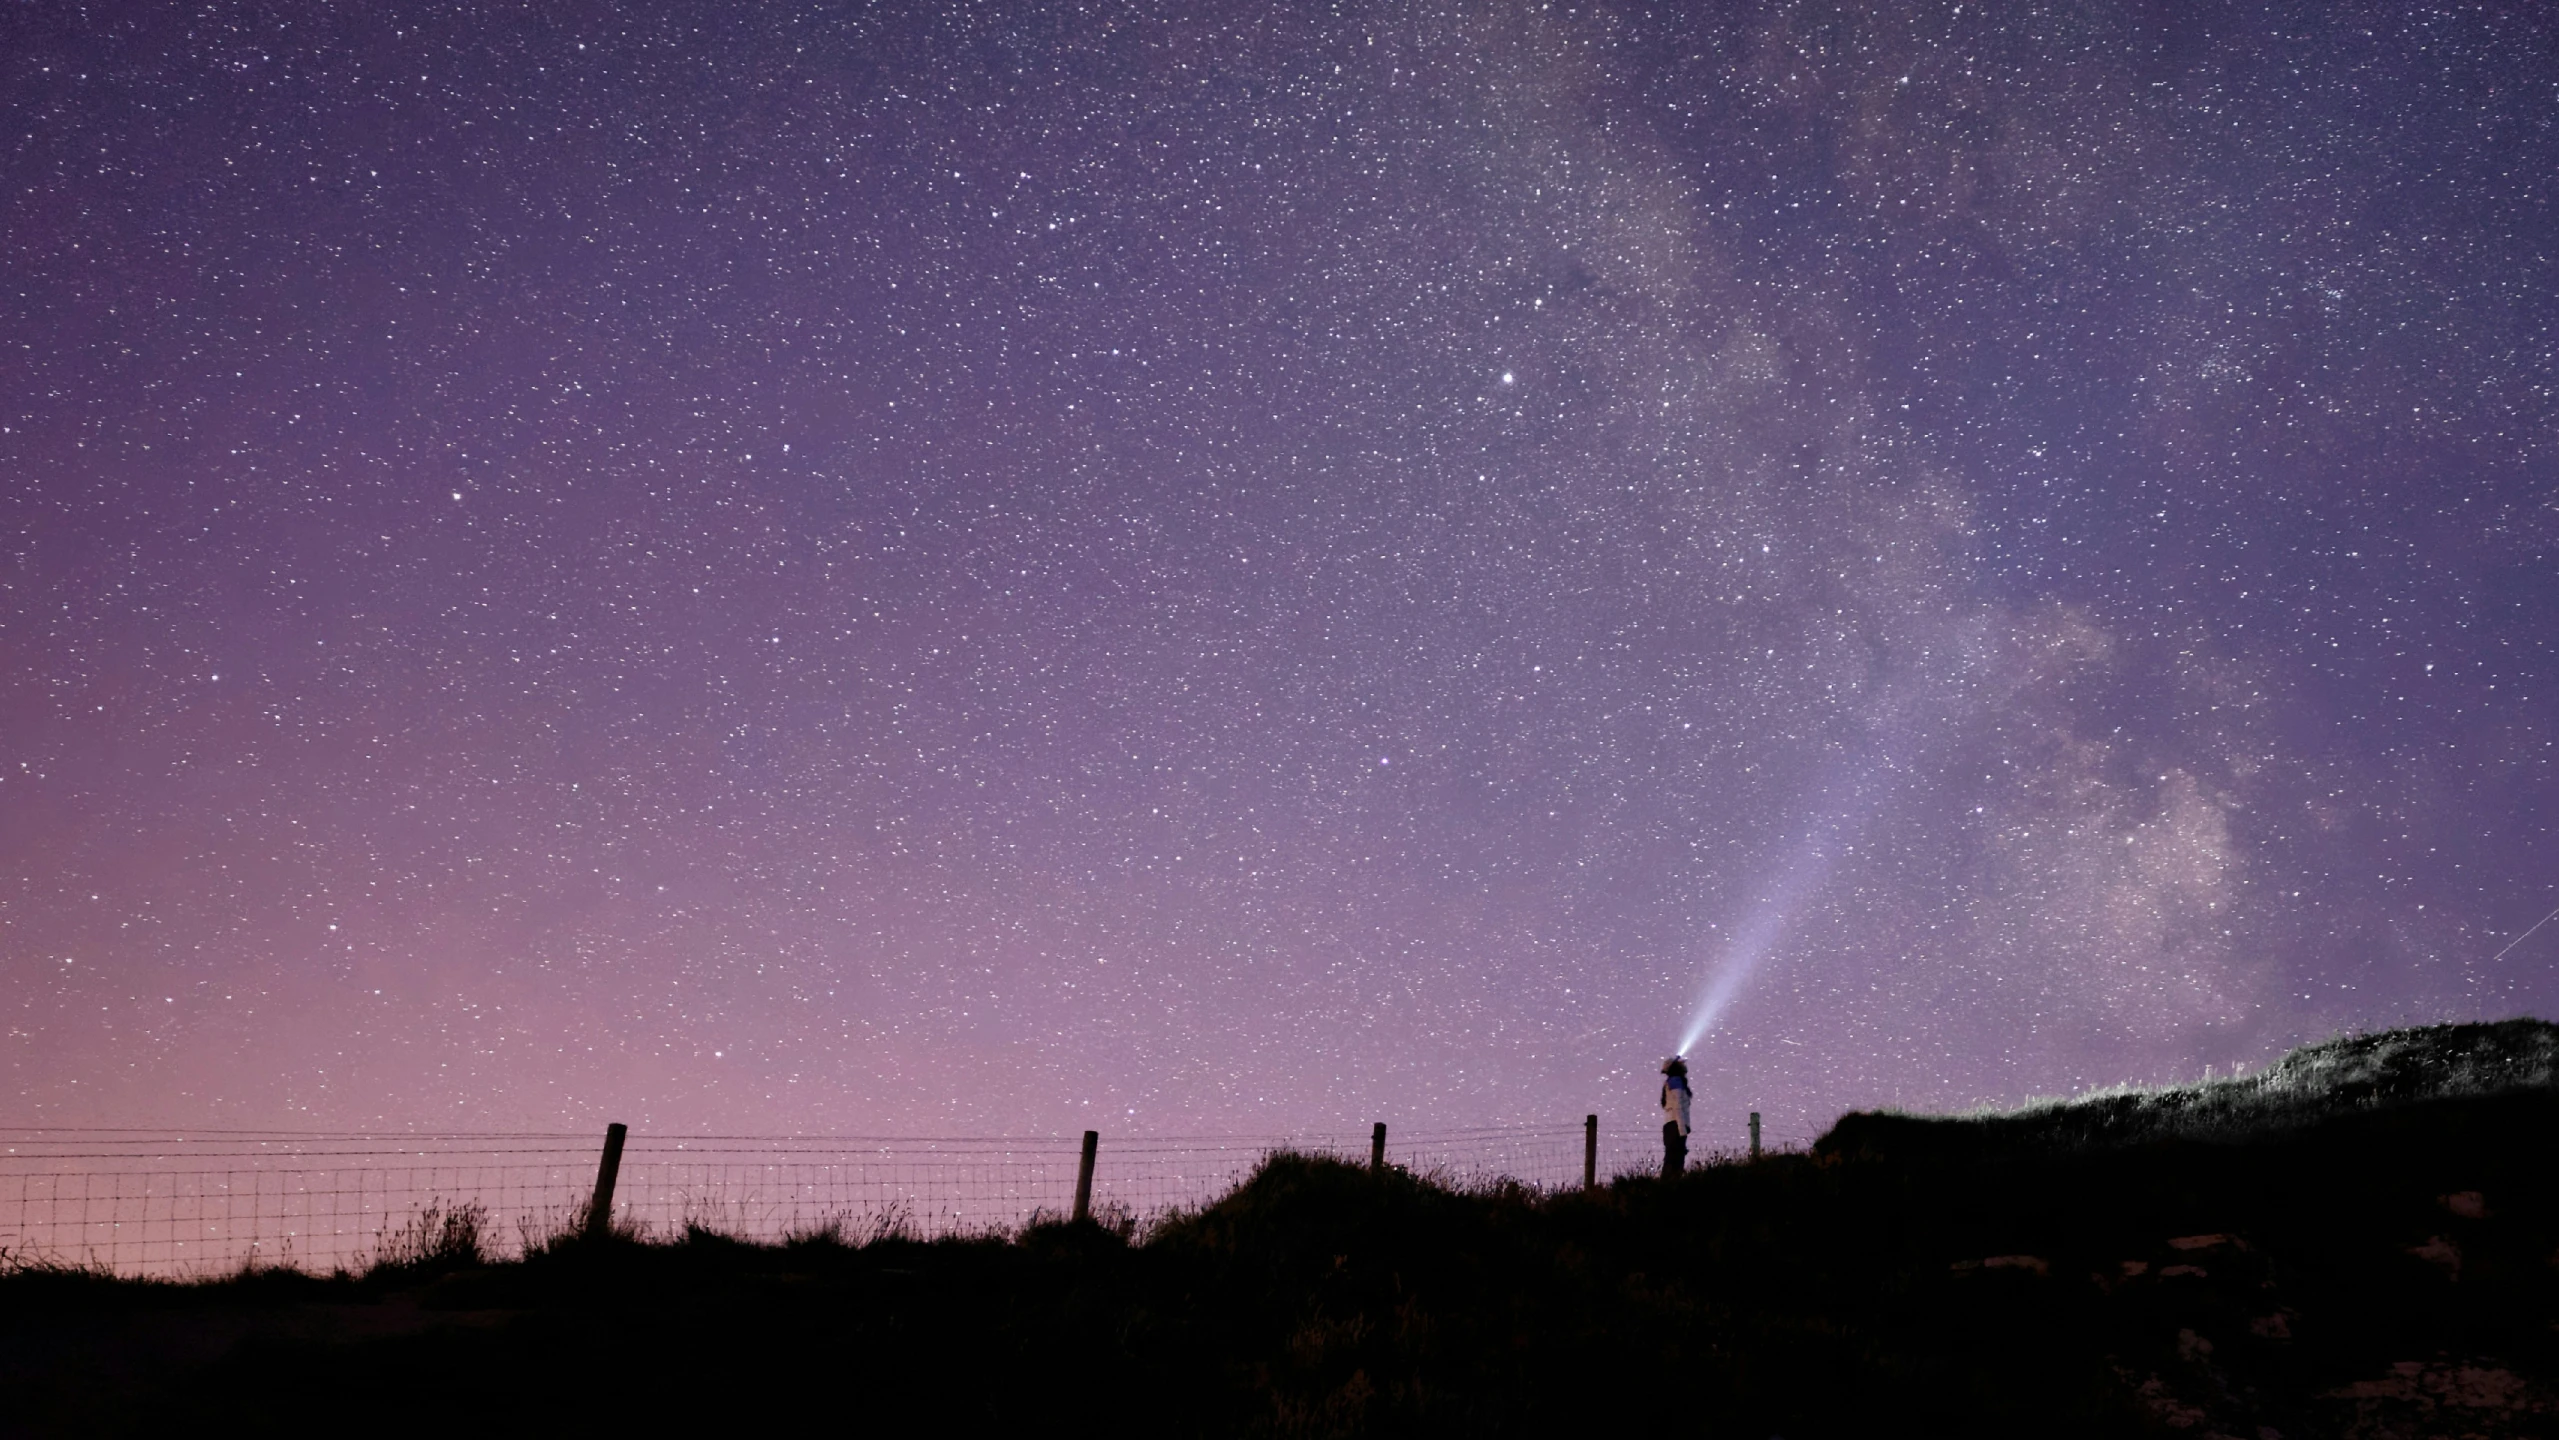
(2511, 944)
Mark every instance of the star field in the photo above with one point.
(1005, 568)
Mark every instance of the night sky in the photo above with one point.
(1004, 568)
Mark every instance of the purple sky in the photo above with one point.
(1023, 567)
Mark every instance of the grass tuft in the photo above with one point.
(439, 1237)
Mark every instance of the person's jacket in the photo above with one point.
(1675, 1103)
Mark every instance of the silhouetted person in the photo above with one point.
(1674, 1117)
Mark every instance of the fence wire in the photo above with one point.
(197, 1203)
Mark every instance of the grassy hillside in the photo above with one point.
(2312, 1084)
(2246, 1261)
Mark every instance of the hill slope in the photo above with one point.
(2318, 1082)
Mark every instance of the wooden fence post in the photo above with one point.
(1084, 1177)
(599, 1212)
(1754, 1134)
(1377, 1147)
(1590, 1152)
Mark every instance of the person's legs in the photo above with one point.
(1674, 1149)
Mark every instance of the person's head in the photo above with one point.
(1675, 1067)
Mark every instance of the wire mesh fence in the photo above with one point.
(195, 1203)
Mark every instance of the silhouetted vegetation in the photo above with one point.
(439, 1238)
(2358, 1242)
(2312, 1084)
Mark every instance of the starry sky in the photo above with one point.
(1192, 568)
